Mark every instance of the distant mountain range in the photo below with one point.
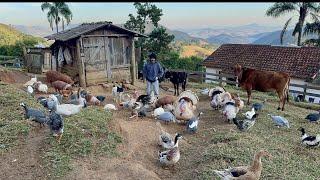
(246, 34)
(40, 31)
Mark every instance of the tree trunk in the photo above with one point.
(62, 24)
(302, 17)
(57, 28)
(299, 37)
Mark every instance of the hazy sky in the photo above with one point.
(176, 15)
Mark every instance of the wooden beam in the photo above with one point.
(107, 35)
(133, 63)
(82, 78)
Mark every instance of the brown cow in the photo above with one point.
(264, 81)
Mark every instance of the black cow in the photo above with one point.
(177, 78)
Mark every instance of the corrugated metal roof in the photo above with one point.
(85, 28)
(301, 62)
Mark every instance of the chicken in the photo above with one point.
(55, 124)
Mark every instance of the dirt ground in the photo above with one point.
(138, 158)
(138, 152)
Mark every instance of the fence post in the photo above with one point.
(304, 91)
(203, 77)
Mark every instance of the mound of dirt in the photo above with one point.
(13, 76)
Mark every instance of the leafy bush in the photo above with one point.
(172, 60)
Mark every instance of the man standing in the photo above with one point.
(152, 71)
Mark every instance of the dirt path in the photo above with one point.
(138, 159)
(24, 161)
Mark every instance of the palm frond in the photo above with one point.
(281, 8)
(45, 6)
(312, 42)
(50, 17)
(284, 30)
(315, 17)
(312, 28)
(313, 7)
(66, 13)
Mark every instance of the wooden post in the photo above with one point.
(304, 92)
(81, 65)
(133, 63)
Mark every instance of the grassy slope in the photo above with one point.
(290, 159)
(85, 133)
(194, 50)
(10, 36)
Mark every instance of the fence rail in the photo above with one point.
(220, 76)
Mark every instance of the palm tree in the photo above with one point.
(312, 28)
(302, 8)
(57, 11)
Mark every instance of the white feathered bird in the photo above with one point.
(158, 111)
(31, 81)
(230, 111)
(249, 114)
(68, 109)
(109, 107)
(30, 90)
(204, 91)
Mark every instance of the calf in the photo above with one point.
(264, 81)
(177, 78)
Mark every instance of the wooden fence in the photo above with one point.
(202, 76)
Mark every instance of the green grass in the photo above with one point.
(85, 134)
(290, 160)
(12, 123)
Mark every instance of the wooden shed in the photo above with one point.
(95, 52)
(38, 60)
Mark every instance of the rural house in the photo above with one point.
(301, 63)
(95, 52)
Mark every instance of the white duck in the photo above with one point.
(68, 109)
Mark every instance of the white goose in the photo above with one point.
(68, 109)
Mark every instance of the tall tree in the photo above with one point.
(312, 28)
(303, 9)
(158, 39)
(57, 11)
(145, 12)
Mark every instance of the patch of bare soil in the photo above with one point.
(139, 150)
(24, 161)
(13, 76)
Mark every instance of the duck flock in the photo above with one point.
(168, 109)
